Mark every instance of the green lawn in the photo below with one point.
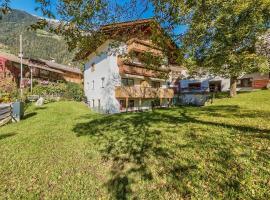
(62, 150)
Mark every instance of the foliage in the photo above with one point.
(5, 98)
(56, 89)
(70, 91)
(263, 45)
(221, 35)
(74, 91)
(8, 96)
(63, 150)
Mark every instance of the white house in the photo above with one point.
(113, 84)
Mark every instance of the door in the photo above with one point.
(122, 104)
(131, 103)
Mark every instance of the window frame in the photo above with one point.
(93, 84)
(102, 82)
(155, 84)
(127, 82)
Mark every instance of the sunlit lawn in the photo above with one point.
(221, 151)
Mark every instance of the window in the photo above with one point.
(88, 86)
(99, 104)
(93, 67)
(93, 103)
(245, 82)
(215, 86)
(127, 82)
(155, 84)
(93, 84)
(44, 73)
(194, 86)
(102, 82)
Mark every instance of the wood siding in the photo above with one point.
(259, 84)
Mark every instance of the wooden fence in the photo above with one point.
(5, 114)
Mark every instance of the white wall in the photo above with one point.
(105, 63)
(225, 83)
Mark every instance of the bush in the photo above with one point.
(74, 91)
(55, 89)
(70, 91)
(8, 97)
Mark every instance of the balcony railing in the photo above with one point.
(143, 92)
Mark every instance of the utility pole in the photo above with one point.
(31, 71)
(21, 57)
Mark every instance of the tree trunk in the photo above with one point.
(233, 91)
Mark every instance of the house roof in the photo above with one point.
(118, 30)
(129, 23)
(26, 62)
(61, 67)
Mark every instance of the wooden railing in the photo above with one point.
(140, 46)
(143, 92)
(5, 114)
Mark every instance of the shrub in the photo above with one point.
(55, 89)
(7, 97)
(74, 91)
(70, 91)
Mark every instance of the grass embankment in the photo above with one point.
(221, 151)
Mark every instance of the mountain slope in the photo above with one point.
(36, 44)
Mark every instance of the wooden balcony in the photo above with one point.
(143, 92)
(143, 46)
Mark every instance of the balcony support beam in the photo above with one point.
(126, 104)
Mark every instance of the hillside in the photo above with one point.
(36, 44)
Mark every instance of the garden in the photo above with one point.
(51, 91)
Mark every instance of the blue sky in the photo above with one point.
(30, 5)
(26, 5)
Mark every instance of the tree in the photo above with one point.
(263, 46)
(222, 35)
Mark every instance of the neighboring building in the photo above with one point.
(42, 70)
(114, 83)
(208, 83)
(253, 81)
(203, 82)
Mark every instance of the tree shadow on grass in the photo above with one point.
(233, 110)
(129, 142)
(132, 142)
(188, 116)
(6, 135)
(29, 115)
(40, 108)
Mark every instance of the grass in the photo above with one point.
(63, 151)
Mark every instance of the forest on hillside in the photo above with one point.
(36, 44)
